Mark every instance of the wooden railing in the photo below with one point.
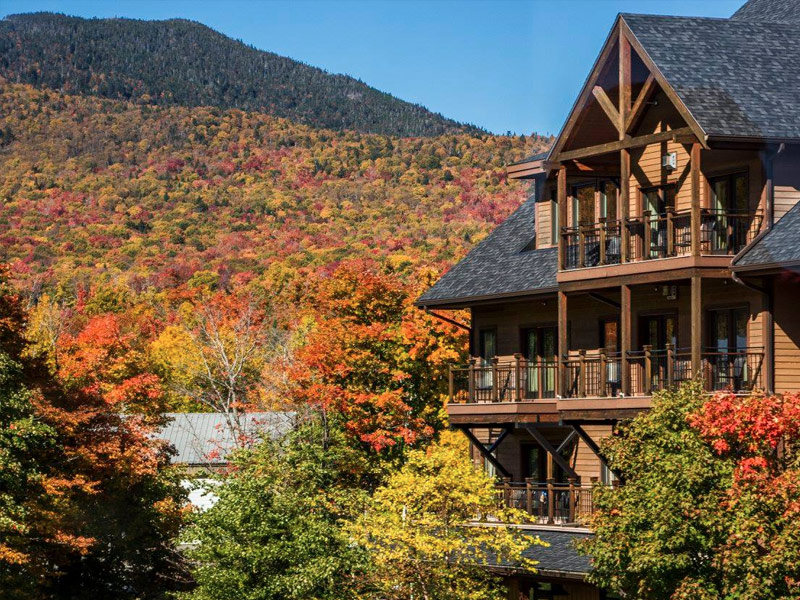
(516, 380)
(548, 503)
(653, 236)
(596, 374)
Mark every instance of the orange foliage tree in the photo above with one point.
(373, 357)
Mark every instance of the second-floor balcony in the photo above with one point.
(600, 374)
(656, 236)
(548, 503)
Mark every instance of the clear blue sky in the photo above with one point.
(504, 65)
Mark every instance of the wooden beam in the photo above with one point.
(561, 194)
(688, 117)
(548, 447)
(625, 336)
(768, 325)
(499, 440)
(697, 324)
(641, 103)
(608, 106)
(635, 142)
(563, 342)
(695, 224)
(604, 300)
(587, 439)
(567, 441)
(625, 91)
(624, 202)
(484, 451)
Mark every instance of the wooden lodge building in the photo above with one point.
(661, 243)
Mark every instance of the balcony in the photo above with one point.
(650, 237)
(548, 503)
(599, 374)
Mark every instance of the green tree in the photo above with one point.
(421, 531)
(276, 530)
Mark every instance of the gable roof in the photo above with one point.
(737, 77)
(770, 11)
(499, 266)
(206, 438)
(779, 246)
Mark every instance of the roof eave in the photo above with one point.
(460, 303)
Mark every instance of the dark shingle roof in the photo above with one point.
(737, 77)
(531, 158)
(499, 266)
(206, 439)
(781, 245)
(560, 556)
(773, 11)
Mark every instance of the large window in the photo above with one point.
(608, 200)
(727, 356)
(583, 205)
(729, 193)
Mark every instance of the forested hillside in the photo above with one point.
(179, 62)
(95, 189)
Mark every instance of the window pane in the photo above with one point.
(719, 194)
(721, 333)
(740, 190)
(585, 203)
(670, 331)
(487, 348)
(740, 322)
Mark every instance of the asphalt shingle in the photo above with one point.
(781, 245)
(773, 11)
(737, 77)
(499, 266)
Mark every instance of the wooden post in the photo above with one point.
(768, 325)
(670, 365)
(625, 203)
(562, 217)
(582, 374)
(670, 234)
(563, 350)
(648, 233)
(603, 392)
(518, 377)
(551, 501)
(495, 380)
(625, 337)
(602, 239)
(581, 245)
(540, 375)
(697, 325)
(529, 495)
(450, 385)
(696, 225)
(572, 500)
(471, 382)
(507, 491)
(648, 369)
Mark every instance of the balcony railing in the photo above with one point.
(599, 374)
(548, 503)
(516, 380)
(653, 236)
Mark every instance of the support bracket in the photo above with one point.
(487, 452)
(548, 447)
(593, 447)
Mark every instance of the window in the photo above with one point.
(539, 349)
(583, 205)
(726, 227)
(608, 200)
(487, 345)
(729, 193)
(658, 200)
(727, 339)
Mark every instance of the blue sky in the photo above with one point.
(504, 65)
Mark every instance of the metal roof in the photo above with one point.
(207, 439)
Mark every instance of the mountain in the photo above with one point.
(180, 62)
(95, 190)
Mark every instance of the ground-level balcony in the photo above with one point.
(599, 374)
(568, 504)
(656, 236)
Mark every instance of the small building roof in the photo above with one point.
(560, 558)
(207, 439)
(780, 246)
(500, 266)
(738, 77)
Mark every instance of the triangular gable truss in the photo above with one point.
(626, 112)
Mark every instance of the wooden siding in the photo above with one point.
(586, 463)
(787, 182)
(544, 224)
(787, 336)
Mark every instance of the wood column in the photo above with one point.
(561, 192)
(625, 202)
(625, 337)
(768, 325)
(695, 182)
(697, 325)
(563, 342)
(625, 93)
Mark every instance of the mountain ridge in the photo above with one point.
(186, 63)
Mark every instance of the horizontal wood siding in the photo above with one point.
(544, 228)
(586, 463)
(787, 336)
